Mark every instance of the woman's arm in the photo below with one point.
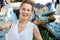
(37, 33)
(6, 24)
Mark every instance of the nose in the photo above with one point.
(26, 11)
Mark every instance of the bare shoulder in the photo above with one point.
(36, 33)
(35, 29)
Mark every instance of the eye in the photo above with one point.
(23, 9)
(28, 10)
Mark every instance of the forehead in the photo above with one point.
(27, 5)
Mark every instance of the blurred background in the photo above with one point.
(46, 15)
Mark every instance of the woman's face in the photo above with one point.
(25, 11)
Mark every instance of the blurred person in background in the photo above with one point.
(2, 33)
(57, 7)
(3, 3)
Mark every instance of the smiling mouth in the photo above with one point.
(24, 15)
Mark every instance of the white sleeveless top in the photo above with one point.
(26, 34)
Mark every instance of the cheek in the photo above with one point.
(30, 14)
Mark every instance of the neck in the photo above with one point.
(23, 21)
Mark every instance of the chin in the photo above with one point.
(24, 18)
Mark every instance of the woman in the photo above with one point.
(23, 29)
